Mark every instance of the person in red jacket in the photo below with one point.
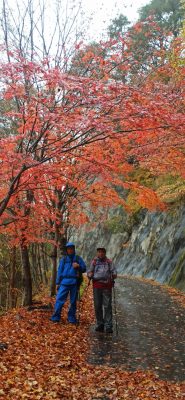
(102, 272)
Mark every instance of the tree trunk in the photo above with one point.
(27, 280)
(62, 245)
(54, 271)
(44, 264)
(13, 293)
(39, 265)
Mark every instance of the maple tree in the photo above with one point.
(25, 147)
(162, 150)
(42, 116)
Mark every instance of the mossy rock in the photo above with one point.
(115, 224)
(178, 276)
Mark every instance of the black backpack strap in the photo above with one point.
(77, 258)
(80, 277)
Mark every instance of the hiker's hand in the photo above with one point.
(114, 276)
(75, 265)
(90, 275)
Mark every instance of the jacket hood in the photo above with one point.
(70, 244)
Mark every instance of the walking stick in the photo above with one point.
(115, 308)
(78, 308)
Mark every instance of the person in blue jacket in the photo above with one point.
(70, 269)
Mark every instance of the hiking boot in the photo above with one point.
(109, 330)
(99, 328)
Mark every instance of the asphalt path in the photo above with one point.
(151, 331)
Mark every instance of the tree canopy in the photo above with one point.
(169, 14)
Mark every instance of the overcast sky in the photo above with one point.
(104, 10)
(100, 13)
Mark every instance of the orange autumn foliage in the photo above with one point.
(64, 131)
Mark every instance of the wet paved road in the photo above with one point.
(151, 332)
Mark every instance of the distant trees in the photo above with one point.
(118, 27)
(158, 24)
(168, 14)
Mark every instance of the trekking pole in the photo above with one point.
(115, 308)
(78, 308)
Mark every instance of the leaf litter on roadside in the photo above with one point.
(44, 361)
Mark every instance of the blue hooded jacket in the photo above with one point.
(67, 275)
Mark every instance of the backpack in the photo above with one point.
(102, 273)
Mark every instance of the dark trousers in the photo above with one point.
(103, 306)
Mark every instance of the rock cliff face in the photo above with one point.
(151, 245)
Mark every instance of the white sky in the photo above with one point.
(99, 12)
(104, 10)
